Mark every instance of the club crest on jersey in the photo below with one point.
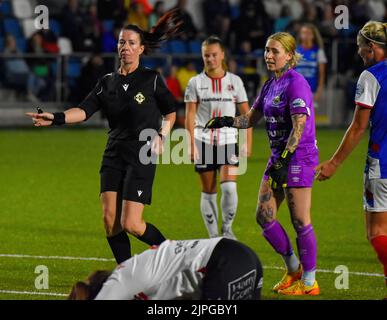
(125, 86)
(139, 97)
(276, 100)
(230, 87)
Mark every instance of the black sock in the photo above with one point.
(152, 236)
(120, 245)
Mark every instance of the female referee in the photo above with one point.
(133, 99)
(205, 269)
(286, 102)
(216, 92)
(370, 100)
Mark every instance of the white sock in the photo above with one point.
(209, 209)
(292, 262)
(229, 203)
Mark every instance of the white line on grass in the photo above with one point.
(34, 293)
(27, 256)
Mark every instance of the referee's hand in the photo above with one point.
(41, 119)
(157, 146)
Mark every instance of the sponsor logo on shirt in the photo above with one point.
(230, 87)
(298, 103)
(125, 86)
(139, 97)
(139, 192)
(243, 287)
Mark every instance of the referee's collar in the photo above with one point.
(139, 68)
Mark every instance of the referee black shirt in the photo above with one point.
(131, 103)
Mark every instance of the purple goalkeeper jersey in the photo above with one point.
(278, 101)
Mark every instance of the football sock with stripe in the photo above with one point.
(209, 210)
(379, 243)
(151, 236)
(307, 250)
(275, 234)
(229, 203)
(120, 246)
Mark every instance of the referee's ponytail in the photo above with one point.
(166, 27)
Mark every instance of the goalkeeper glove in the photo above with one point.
(278, 172)
(219, 122)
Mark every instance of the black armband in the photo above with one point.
(59, 118)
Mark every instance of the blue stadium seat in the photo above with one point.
(108, 25)
(5, 8)
(234, 12)
(74, 68)
(12, 26)
(55, 27)
(164, 48)
(195, 46)
(21, 44)
(177, 46)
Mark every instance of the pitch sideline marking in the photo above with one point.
(34, 293)
(27, 256)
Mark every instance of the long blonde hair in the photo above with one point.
(289, 44)
(374, 31)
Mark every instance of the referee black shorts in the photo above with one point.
(122, 171)
(233, 272)
(212, 157)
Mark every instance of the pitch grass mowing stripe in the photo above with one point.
(26, 256)
(34, 293)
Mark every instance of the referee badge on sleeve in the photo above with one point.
(139, 97)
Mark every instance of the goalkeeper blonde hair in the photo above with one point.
(289, 44)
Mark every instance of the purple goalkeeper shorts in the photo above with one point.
(301, 168)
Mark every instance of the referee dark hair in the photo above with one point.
(133, 99)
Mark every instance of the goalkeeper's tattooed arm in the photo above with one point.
(298, 121)
(247, 120)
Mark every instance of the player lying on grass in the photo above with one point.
(206, 269)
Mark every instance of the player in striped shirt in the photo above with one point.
(370, 100)
(216, 92)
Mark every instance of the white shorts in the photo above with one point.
(375, 194)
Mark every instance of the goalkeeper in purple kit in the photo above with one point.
(286, 103)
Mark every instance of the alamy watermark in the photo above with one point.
(342, 280)
(177, 150)
(42, 280)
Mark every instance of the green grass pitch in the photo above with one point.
(49, 206)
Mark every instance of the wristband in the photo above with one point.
(59, 118)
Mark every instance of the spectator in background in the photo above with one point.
(110, 38)
(92, 29)
(189, 30)
(147, 7)
(185, 73)
(313, 63)
(72, 24)
(158, 11)
(137, 15)
(93, 70)
(173, 85)
(111, 10)
(17, 74)
(284, 20)
(40, 66)
(252, 25)
(217, 17)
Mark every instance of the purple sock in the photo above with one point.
(277, 237)
(307, 247)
